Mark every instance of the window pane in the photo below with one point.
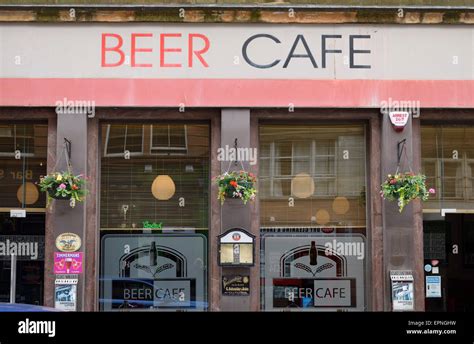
(264, 167)
(157, 204)
(283, 167)
(19, 177)
(302, 149)
(324, 166)
(116, 138)
(312, 193)
(124, 137)
(134, 138)
(301, 165)
(447, 160)
(160, 136)
(177, 136)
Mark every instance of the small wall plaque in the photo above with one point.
(402, 290)
(236, 248)
(235, 285)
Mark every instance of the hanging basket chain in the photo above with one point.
(402, 151)
(237, 160)
(67, 153)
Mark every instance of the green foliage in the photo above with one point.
(236, 185)
(405, 187)
(64, 185)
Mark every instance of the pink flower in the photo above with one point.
(62, 186)
(432, 191)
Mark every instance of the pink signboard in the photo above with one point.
(68, 262)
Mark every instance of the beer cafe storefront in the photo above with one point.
(151, 114)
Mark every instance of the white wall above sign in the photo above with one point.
(399, 119)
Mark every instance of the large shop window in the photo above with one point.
(22, 163)
(448, 161)
(313, 217)
(154, 216)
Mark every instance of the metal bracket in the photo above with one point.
(400, 146)
(236, 155)
(67, 145)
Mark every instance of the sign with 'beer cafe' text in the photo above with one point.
(170, 64)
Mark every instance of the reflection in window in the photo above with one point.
(447, 160)
(314, 165)
(22, 163)
(127, 200)
(312, 194)
(169, 139)
(154, 205)
(122, 138)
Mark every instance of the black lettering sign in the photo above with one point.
(325, 51)
(310, 51)
(353, 51)
(235, 285)
(246, 57)
(293, 55)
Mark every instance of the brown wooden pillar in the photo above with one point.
(376, 289)
(419, 273)
(91, 234)
(49, 228)
(214, 277)
(401, 237)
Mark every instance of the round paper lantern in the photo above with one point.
(340, 205)
(322, 217)
(30, 191)
(163, 187)
(302, 185)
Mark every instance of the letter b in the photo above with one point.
(116, 49)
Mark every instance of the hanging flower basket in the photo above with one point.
(52, 194)
(236, 185)
(64, 186)
(405, 187)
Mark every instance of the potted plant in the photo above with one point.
(236, 185)
(405, 187)
(64, 186)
